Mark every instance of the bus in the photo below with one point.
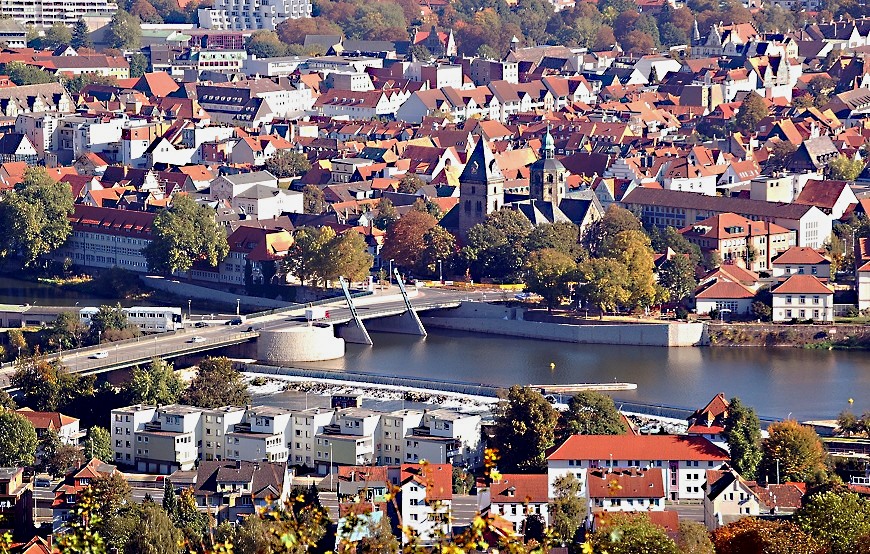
(149, 319)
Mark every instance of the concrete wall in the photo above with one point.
(182, 289)
(299, 344)
(653, 334)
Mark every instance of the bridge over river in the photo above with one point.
(141, 350)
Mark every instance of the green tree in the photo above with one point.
(837, 518)
(22, 74)
(35, 217)
(792, 452)
(379, 538)
(56, 35)
(410, 183)
(82, 535)
(496, 247)
(265, 44)
(423, 204)
(155, 534)
(66, 331)
(216, 384)
(845, 169)
(751, 112)
(592, 413)
(158, 384)
(604, 283)
(677, 275)
(313, 200)
(462, 481)
(79, 82)
(107, 323)
(6, 401)
(693, 538)
(632, 249)
(304, 257)
(549, 272)
(562, 236)
(386, 214)
(743, 434)
(599, 236)
(287, 163)
(124, 31)
(633, 534)
(98, 444)
(48, 386)
(55, 457)
(138, 64)
(751, 534)
(404, 241)
(17, 440)
(184, 233)
(351, 255)
(192, 523)
(439, 244)
(567, 509)
(81, 35)
(524, 429)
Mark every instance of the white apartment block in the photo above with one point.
(126, 422)
(395, 426)
(216, 425)
(307, 424)
(263, 437)
(42, 129)
(446, 437)
(44, 13)
(169, 442)
(242, 15)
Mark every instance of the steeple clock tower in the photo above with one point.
(548, 178)
(481, 187)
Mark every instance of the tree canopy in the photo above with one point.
(792, 452)
(592, 413)
(743, 434)
(124, 31)
(184, 233)
(549, 272)
(17, 440)
(287, 163)
(216, 384)
(524, 429)
(157, 384)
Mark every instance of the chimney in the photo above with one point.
(238, 464)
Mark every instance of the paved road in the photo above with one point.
(218, 334)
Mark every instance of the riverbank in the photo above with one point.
(833, 337)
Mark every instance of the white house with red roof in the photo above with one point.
(801, 260)
(709, 421)
(803, 297)
(514, 497)
(425, 498)
(739, 239)
(626, 490)
(66, 427)
(683, 459)
(728, 497)
(66, 494)
(724, 294)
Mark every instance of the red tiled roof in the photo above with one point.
(800, 255)
(700, 429)
(520, 488)
(46, 420)
(725, 289)
(644, 447)
(626, 483)
(802, 284)
(437, 478)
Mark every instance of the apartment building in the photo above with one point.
(170, 441)
(307, 425)
(395, 426)
(16, 502)
(126, 422)
(446, 437)
(245, 15)
(216, 425)
(262, 436)
(349, 440)
(45, 13)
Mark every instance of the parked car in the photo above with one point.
(100, 355)
(201, 324)
(235, 321)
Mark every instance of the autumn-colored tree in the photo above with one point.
(410, 183)
(604, 284)
(792, 452)
(599, 236)
(693, 538)
(838, 518)
(751, 112)
(632, 249)
(549, 272)
(637, 42)
(404, 239)
(845, 169)
(293, 31)
(751, 534)
(632, 534)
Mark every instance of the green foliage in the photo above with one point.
(81, 35)
(124, 31)
(751, 112)
(79, 82)
(139, 64)
(693, 538)
(287, 163)
(798, 450)
(562, 236)
(265, 44)
(633, 534)
(410, 183)
(601, 234)
(438, 244)
(524, 429)
(65, 332)
(386, 214)
(677, 275)
(427, 206)
(17, 440)
(350, 256)
(837, 518)
(313, 200)
(22, 74)
(845, 169)
(34, 217)
(184, 233)
(549, 272)
(632, 249)
(743, 434)
(56, 35)
(462, 481)
(82, 536)
(47, 386)
(592, 413)
(109, 324)
(604, 283)
(661, 240)
(762, 311)
(567, 509)
(55, 457)
(216, 384)
(404, 241)
(98, 444)
(496, 247)
(155, 534)
(158, 384)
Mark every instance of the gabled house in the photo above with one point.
(514, 497)
(728, 497)
(799, 260)
(425, 499)
(724, 296)
(803, 297)
(626, 490)
(66, 427)
(709, 421)
(66, 494)
(832, 197)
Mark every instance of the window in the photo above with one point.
(788, 299)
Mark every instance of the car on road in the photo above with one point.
(235, 321)
(100, 355)
(201, 324)
(197, 339)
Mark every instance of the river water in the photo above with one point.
(808, 384)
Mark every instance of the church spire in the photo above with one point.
(548, 149)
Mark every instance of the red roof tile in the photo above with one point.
(626, 483)
(802, 284)
(520, 488)
(644, 447)
(800, 255)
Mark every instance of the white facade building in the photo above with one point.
(242, 16)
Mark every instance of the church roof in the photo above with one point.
(481, 166)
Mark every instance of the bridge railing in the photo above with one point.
(300, 306)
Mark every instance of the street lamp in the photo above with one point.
(188, 308)
(440, 273)
(391, 272)
(238, 305)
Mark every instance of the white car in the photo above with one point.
(100, 355)
(197, 339)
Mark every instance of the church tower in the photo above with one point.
(481, 187)
(547, 176)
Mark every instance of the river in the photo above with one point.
(808, 384)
